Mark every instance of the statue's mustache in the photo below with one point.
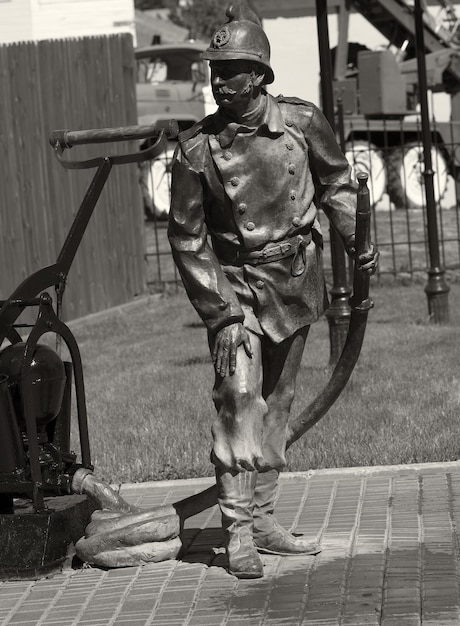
(226, 91)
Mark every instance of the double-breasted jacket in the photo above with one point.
(239, 190)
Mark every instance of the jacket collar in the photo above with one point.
(270, 122)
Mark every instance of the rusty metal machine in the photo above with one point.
(377, 95)
(40, 516)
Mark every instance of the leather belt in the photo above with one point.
(273, 252)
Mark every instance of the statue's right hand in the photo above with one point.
(226, 344)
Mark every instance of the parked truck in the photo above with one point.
(376, 93)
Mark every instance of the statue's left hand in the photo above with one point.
(368, 261)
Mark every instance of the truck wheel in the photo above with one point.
(366, 157)
(155, 181)
(405, 168)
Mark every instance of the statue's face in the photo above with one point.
(233, 83)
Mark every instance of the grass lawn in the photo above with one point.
(149, 378)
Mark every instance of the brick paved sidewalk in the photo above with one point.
(390, 556)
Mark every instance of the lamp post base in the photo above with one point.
(437, 292)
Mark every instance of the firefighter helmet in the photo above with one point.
(241, 37)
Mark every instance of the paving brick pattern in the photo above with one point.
(390, 557)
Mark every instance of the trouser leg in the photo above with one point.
(235, 493)
(238, 429)
(237, 432)
(281, 365)
(253, 404)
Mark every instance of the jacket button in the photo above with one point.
(289, 122)
(250, 226)
(290, 146)
(296, 221)
(227, 155)
(234, 181)
(291, 168)
(260, 284)
(292, 195)
(242, 208)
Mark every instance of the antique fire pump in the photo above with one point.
(41, 517)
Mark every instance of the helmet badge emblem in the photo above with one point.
(221, 37)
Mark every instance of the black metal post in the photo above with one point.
(341, 132)
(436, 289)
(338, 314)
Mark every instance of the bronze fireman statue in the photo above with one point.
(252, 177)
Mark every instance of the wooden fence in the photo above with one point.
(73, 84)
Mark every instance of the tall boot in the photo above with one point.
(235, 491)
(268, 535)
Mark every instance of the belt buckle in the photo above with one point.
(267, 254)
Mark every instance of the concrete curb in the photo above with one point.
(343, 471)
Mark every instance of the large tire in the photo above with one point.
(366, 157)
(155, 180)
(405, 168)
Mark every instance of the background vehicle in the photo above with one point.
(378, 91)
(173, 82)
